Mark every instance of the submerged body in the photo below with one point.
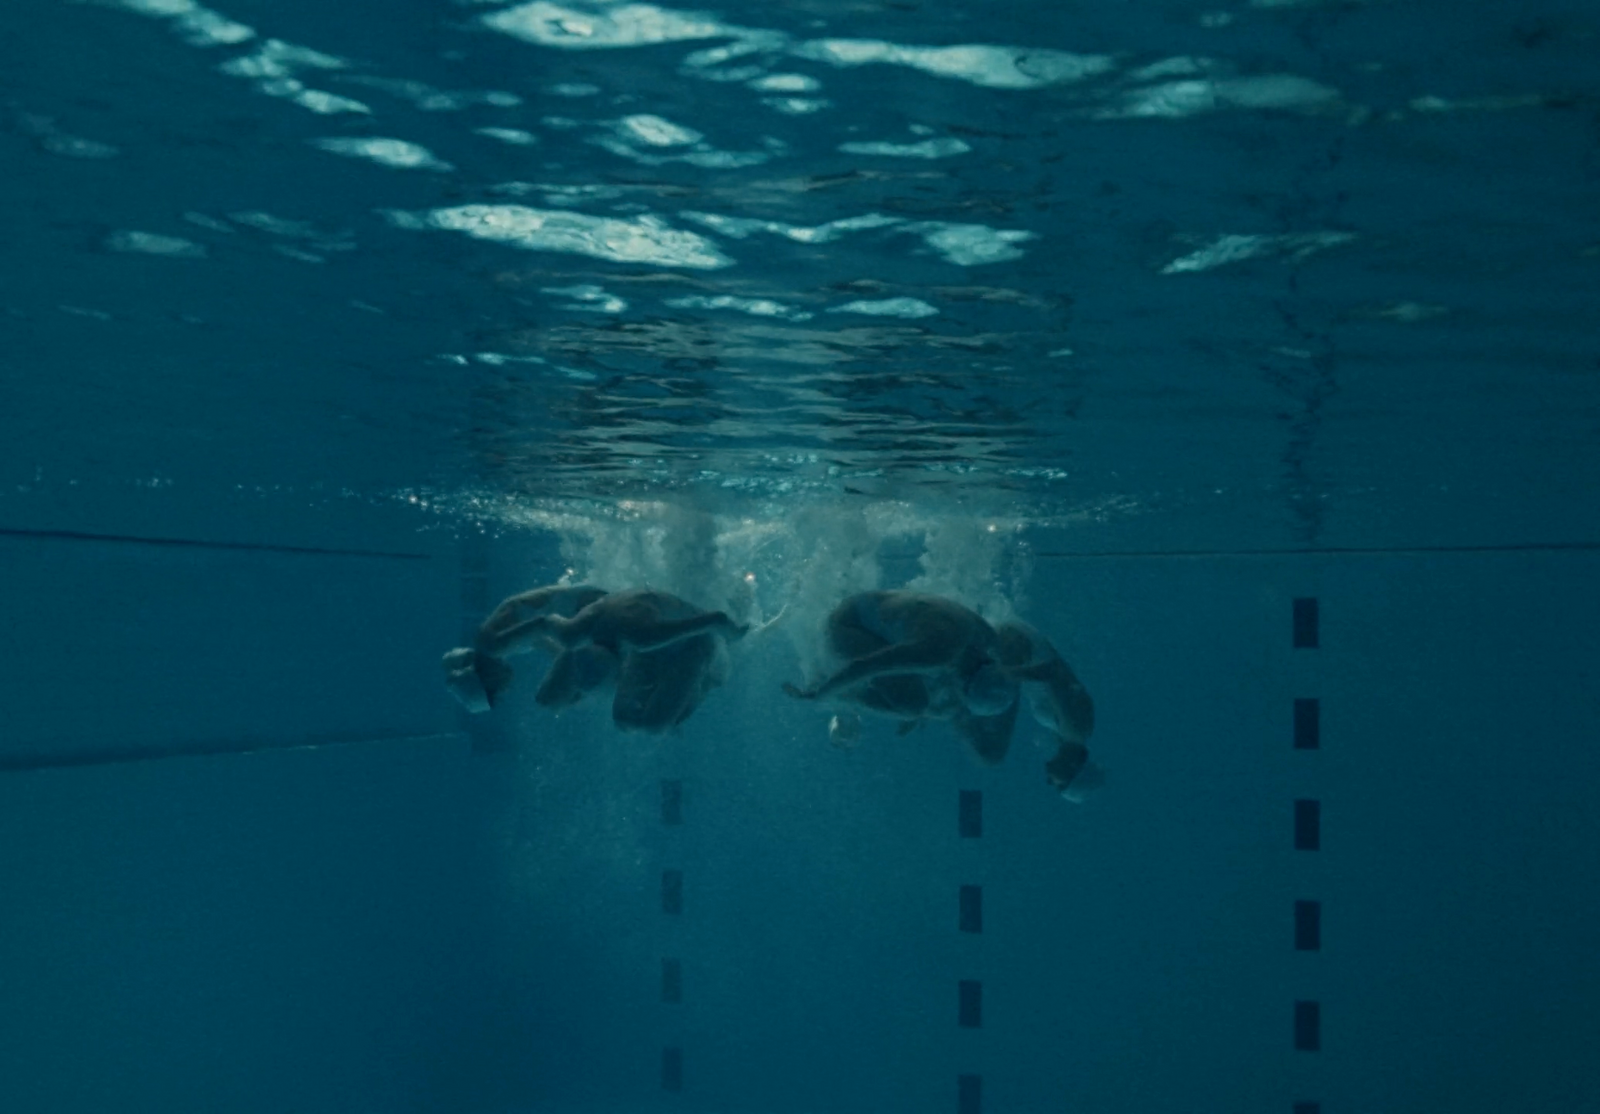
(662, 654)
(670, 654)
(479, 674)
(913, 656)
(1060, 704)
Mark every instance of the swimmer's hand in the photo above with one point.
(734, 631)
(798, 694)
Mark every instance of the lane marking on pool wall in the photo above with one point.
(1306, 739)
(969, 924)
(672, 974)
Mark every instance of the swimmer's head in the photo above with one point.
(988, 692)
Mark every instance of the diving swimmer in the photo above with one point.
(477, 675)
(665, 655)
(913, 656)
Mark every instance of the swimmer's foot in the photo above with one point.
(798, 694)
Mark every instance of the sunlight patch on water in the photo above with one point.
(275, 58)
(398, 153)
(624, 25)
(927, 149)
(429, 99)
(757, 307)
(1236, 248)
(996, 67)
(965, 245)
(516, 137)
(786, 83)
(741, 227)
(324, 104)
(53, 141)
(645, 239)
(889, 307)
(655, 131)
(198, 26)
(643, 138)
(969, 245)
(587, 297)
(273, 67)
(796, 106)
(150, 243)
(1193, 97)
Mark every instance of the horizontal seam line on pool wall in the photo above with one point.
(1329, 551)
(67, 758)
(195, 543)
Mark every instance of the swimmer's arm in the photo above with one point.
(1077, 706)
(1065, 707)
(667, 632)
(902, 657)
(546, 632)
(507, 631)
(519, 638)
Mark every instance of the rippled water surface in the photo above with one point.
(1279, 273)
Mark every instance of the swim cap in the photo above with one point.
(989, 692)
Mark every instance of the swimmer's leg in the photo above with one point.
(574, 674)
(988, 736)
(848, 636)
(530, 634)
(902, 657)
(657, 691)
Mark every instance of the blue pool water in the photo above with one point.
(324, 327)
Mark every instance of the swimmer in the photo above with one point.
(913, 656)
(478, 675)
(1060, 704)
(890, 635)
(668, 654)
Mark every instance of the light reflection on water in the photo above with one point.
(765, 251)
